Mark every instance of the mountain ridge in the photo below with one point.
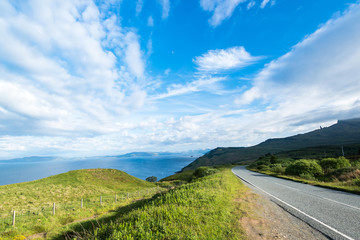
(342, 133)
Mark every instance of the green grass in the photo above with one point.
(33, 201)
(204, 208)
(181, 176)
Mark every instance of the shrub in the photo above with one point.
(346, 174)
(277, 168)
(331, 164)
(273, 159)
(307, 176)
(303, 166)
(356, 164)
(204, 171)
(263, 167)
(356, 182)
(151, 179)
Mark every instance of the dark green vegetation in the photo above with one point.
(151, 179)
(324, 142)
(339, 173)
(203, 207)
(33, 201)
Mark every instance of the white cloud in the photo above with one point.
(250, 4)
(165, 5)
(133, 55)
(264, 3)
(73, 82)
(203, 84)
(150, 21)
(139, 6)
(224, 59)
(221, 9)
(57, 74)
(318, 79)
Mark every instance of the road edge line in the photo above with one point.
(298, 210)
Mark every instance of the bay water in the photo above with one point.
(33, 168)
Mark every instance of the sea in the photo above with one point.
(33, 168)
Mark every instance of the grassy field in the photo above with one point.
(33, 201)
(204, 208)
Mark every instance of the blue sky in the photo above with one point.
(86, 78)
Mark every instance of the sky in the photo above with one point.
(91, 78)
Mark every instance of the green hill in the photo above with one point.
(75, 193)
(68, 187)
(207, 207)
(344, 132)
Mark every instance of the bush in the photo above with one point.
(356, 182)
(151, 179)
(307, 176)
(263, 167)
(204, 171)
(305, 167)
(331, 164)
(356, 163)
(273, 159)
(277, 168)
(346, 174)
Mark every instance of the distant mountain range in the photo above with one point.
(155, 154)
(343, 133)
(191, 153)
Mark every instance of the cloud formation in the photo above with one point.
(165, 5)
(224, 59)
(57, 73)
(319, 78)
(264, 3)
(221, 9)
(74, 81)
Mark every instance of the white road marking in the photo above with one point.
(331, 200)
(305, 214)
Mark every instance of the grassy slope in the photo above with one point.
(33, 200)
(205, 208)
(69, 186)
(343, 133)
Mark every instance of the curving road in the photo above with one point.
(334, 213)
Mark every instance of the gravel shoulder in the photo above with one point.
(269, 221)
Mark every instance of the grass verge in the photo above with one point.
(340, 186)
(205, 208)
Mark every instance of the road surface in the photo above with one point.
(334, 213)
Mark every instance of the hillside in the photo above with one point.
(344, 132)
(76, 194)
(205, 208)
(67, 187)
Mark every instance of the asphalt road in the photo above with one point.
(334, 213)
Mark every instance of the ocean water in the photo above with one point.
(28, 169)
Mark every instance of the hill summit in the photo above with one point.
(344, 132)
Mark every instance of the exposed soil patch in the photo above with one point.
(37, 236)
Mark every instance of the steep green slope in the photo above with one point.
(344, 132)
(206, 208)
